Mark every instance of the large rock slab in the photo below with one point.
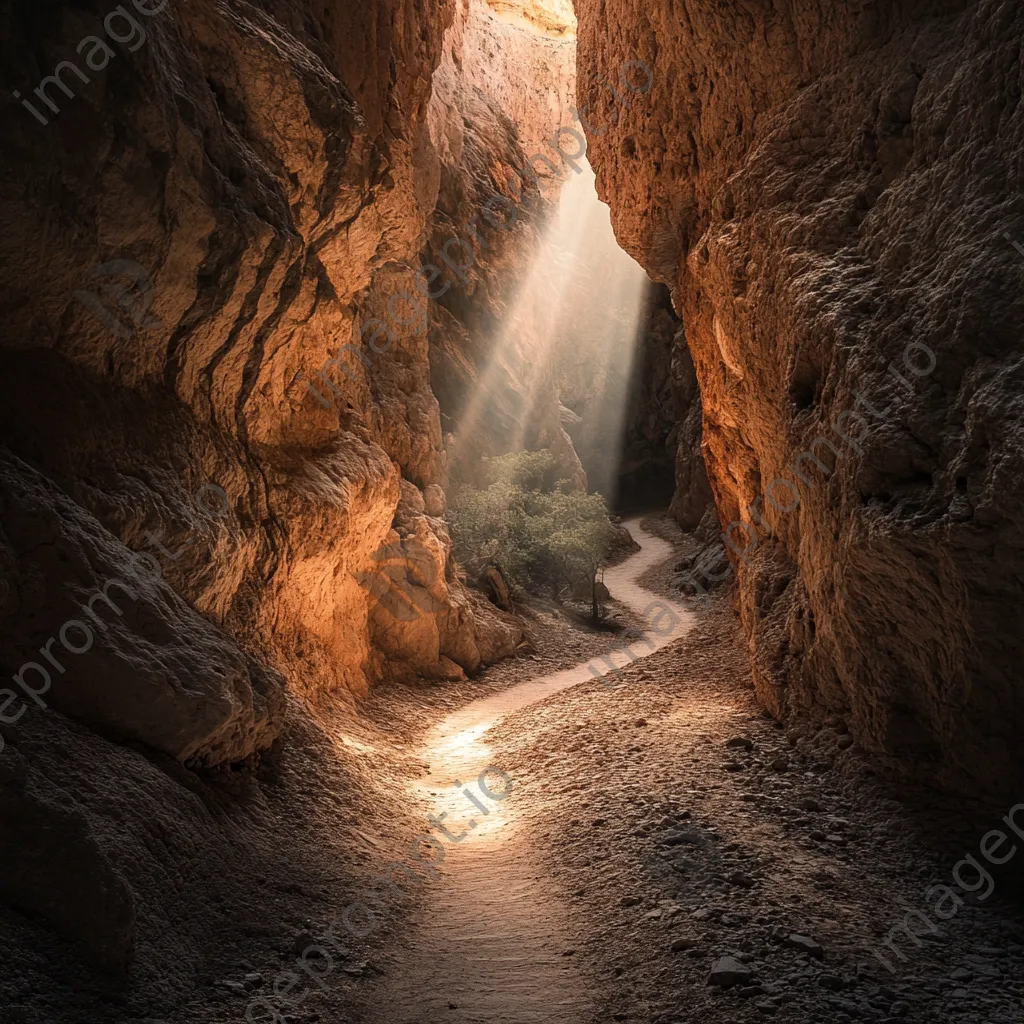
(93, 632)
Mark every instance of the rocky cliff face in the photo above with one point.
(209, 277)
(222, 469)
(832, 192)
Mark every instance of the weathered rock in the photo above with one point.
(727, 972)
(805, 180)
(263, 217)
(805, 944)
(124, 652)
(692, 501)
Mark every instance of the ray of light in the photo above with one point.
(574, 325)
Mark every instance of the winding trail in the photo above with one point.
(493, 945)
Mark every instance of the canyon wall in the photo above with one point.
(833, 194)
(215, 352)
(505, 86)
(223, 468)
(657, 440)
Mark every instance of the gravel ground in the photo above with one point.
(718, 867)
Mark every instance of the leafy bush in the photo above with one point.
(540, 535)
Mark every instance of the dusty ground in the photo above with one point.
(635, 849)
(674, 849)
(640, 847)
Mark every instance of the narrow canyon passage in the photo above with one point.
(653, 829)
(511, 511)
(492, 944)
(719, 868)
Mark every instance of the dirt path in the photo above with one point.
(667, 853)
(494, 945)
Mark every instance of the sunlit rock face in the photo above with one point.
(826, 189)
(551, 17)
(522, 57)
(254, 185)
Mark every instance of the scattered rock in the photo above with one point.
(804, 943)
(728, 971)
(740, 741)
(680, 838)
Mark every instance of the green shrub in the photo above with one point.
(541, 536)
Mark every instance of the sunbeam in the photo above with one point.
(572, 330)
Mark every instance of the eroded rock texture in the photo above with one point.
(825, 188)
(257, 179)
(214, 353)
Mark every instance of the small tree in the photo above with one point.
(537, 534)
(577, 531)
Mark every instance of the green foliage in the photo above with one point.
(540, 535)
(531, 471)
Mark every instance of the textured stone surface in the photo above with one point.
(268, 170)
(692, 498)
(101, 638)
(823, 186)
